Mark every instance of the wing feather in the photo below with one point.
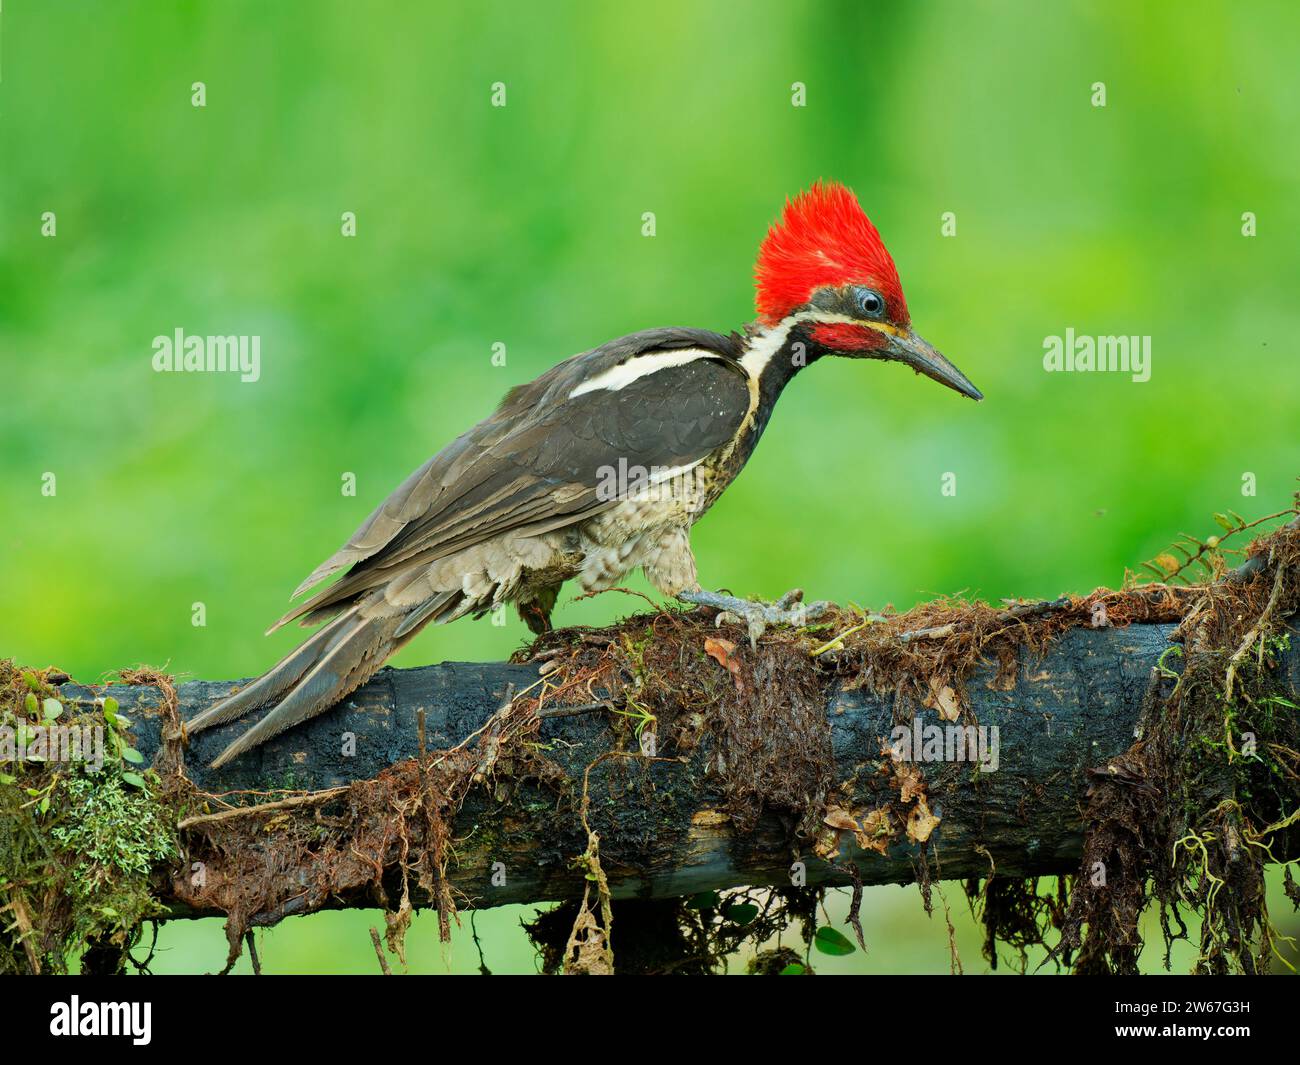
(535, 463)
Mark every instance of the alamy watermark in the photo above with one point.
(208, 354)
(657, 484)
(1075, 353)
(77, 1018)
(946, 743)
(53, 743)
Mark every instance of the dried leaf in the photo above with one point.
(840, 819)
(827, 844)
(587, 952)
(910, 781)
(723, 651)
(877, 831)
(944, 699)
(920, 822)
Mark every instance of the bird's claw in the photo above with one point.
(790, 609)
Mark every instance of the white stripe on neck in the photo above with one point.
(765, 346)
(762, 349)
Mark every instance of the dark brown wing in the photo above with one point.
(537, 462)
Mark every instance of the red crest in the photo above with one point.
(824, 238)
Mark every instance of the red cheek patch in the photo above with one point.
(842, 336)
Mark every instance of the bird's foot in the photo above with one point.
(756, 616)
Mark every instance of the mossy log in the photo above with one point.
(665, 825)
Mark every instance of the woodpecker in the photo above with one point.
(598, 467)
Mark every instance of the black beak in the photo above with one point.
(918, 354)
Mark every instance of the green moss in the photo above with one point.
(117, 833)
(77, 845)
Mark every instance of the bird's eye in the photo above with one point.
(870, 303)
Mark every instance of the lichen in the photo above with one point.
(78, 845)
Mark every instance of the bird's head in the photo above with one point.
(823, 265)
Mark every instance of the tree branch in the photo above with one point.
(668, 821)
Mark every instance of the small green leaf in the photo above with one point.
(45, 804)
(705, 900)
(132, 755)
(793, 969)
(134, 779)
(52, 709)
(829, 941)
(741, 913)
(110, 705)
(30, 705)
(5, 778)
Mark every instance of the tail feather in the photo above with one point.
(327, 667)
(271, 684)
(347, 661)
(439, 605)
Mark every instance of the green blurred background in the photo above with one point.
(523, 225)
